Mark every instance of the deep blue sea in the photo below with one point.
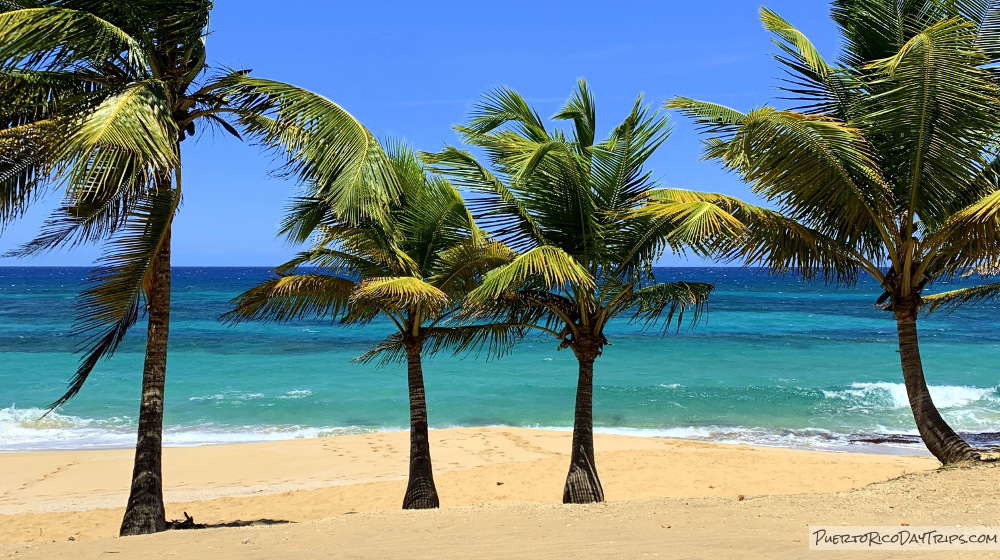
(776, 361)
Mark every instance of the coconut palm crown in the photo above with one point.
(96, 98)
(413, 269)
(889, 159)
(571, 204)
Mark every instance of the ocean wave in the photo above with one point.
(973, 412)
(893, 395)
(215, 397)
(240, 396)
(27, 429)
(882, 442)
(24, 429)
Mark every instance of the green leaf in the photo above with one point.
(291, 297)
(970, 237)
(550, 266)
(661, 303)
(580, 109)
(954, 299)
(332, 153)
(460, 268)
(399, 293)
(940, 108)
(129, 133)
(118, 287)
(60, 38)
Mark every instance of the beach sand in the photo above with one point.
(500, 492)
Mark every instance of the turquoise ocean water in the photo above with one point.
(776, 362)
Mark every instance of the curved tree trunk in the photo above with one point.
(420, 490)
(937, 435)
(582, 484)
(144, 513)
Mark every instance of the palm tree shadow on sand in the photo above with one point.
(188, 523)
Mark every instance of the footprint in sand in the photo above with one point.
(522, 443)
(46, 476)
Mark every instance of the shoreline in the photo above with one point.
(807, 439)
(890, 447)
(56, 495)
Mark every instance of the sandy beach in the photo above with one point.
(500, 490)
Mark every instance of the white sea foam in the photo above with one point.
(215, 397)
(296, 394)
(238, 396)
(968, 409)
(894, 395)
(24, 429)
(816, 439)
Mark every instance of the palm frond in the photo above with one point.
(661, 303)
(389, 350)
(670, 219)
(989, 32)
(291, 297)
(618, 175)
(303, 215)
(86, 222)
(554, 182)
(496, 206)
(129, 133)
(821, 87)
(697, 218)
(9, 5)
(333, 262)
(431, 218)
(580, 109)
(935, 92)
(24, 167)
(30, 96)
(495, 339)
(794, 38)
(111, 304)
(505, 107)
(326, 148)
(871, 29)
(953, 299)
(459, 269)
(969, 238)
(550, 266)
(758, 236)
(60, 38)
(370, 244)
(816, 169)
(401, 293)
(710, 116)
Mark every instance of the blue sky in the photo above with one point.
(412, 69)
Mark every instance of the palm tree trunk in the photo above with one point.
(582, 484)
(420, 490)
(937, 435)
(144, 513)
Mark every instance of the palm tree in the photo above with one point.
(412, 269)
(890, 160)
(97, 97)
(573, 207)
